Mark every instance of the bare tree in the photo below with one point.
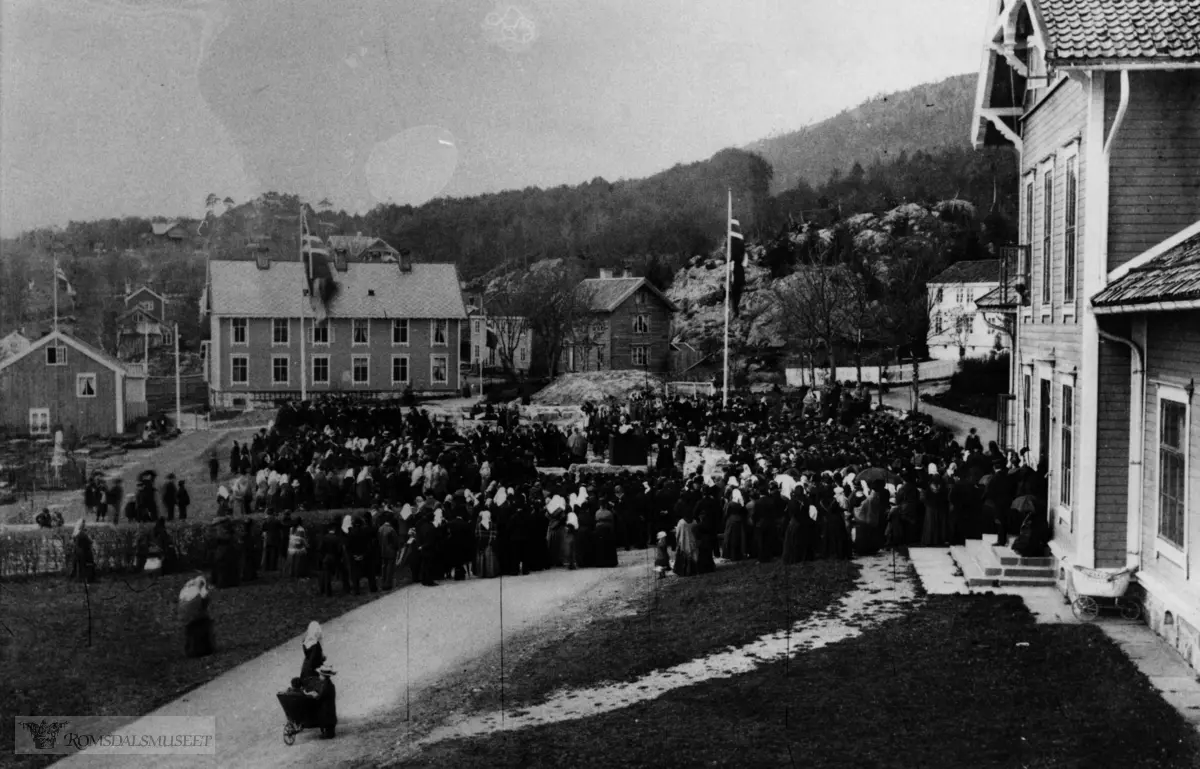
(811, 305)
(543, 303)
(906, 306)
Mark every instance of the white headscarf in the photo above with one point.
(737, 496)
(313, 636)
(405, 511)
(485, 519)
(437, 517)
(196, 587)
(223, 493)
(501, 497)
(347, 522)
(79, 526)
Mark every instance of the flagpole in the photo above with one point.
(728, 277)
(178, 398)
(55, 290)
(308, 274)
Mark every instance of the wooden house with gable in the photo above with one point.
(1101, 100)
(628, 326)
(143, 324)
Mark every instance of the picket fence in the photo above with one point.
(899, 374)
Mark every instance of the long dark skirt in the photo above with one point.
(733, 544)
(198, 638)
(797, 541)
(604, 547)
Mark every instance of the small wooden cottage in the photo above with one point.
(62, 383)
(628, 326)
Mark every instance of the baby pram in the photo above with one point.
(1087, 585)
(302, 711)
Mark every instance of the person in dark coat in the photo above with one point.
(251, 551)
(314, 678)
(272, 539)
(214, 466)
(604, 541)
(169, 496)
(330, 553)
(798, 537)
(357, 545)
(183, 499)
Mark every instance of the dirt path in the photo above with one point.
(399, 649)
(185, 457)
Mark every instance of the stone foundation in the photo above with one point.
(1181, 633)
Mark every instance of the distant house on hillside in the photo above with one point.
(60, 382)
(628, 326)
(957, 327)
(14, 343)
(389, 326)
(175, 232)
(143, 323)
(362, 248)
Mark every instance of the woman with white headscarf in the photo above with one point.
(315, 677)
(733, 544)
(193, 613)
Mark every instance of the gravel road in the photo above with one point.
(398, 649)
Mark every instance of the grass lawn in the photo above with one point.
(135, 662)
(965, 681)
(658, 628)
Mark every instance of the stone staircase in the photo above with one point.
(985, 565)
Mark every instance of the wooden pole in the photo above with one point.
(728, 278)
(308, 274)
(178, 397)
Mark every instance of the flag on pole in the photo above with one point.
(317, 272)
(737, 258)
(62, 276)
(203, 303)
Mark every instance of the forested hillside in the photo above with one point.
(927, 118)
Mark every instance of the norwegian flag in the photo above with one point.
(737, 259)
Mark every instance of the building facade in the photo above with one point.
(958, 328)
(494, 337)
(61, 383)
(628, 326)
(143, 324)
(390, 326)
(1106, 121)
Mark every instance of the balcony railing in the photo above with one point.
(1015, 276)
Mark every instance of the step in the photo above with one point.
(982, 567)
(1007, 557)
(993, 582)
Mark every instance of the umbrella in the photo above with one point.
(1025, 504)
(872, 474)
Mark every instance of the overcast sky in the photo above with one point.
(143, 107)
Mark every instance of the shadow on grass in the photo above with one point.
(671, 621)
(963, 681)
(135, 662)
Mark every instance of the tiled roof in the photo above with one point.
(606, 294)
(428, 291)
(356, 244)
(1097, 30)
(977, 271)
(1172, 276)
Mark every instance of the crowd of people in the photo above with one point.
(805, 478)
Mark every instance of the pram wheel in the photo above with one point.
(289, 733)
(1130, 609)
(1085, 607)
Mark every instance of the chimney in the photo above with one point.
(263, 261)
(628, 273)
(405, 260)
(358, 234)
(606, 273)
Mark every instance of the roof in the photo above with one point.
(1172, 276)
(976, 271)
(162, 228)
(95, 354)
(607, 294)
(146, 290)
(356, 244)
(1094, 31)
(1001, 297)
(430, 290)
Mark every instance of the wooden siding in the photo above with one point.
(622, 338)
(1049, 134)
(30, 384)
(1154, 187)
(1112, 455)
(261, 352)
(1172, 358)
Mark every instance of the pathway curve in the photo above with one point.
(385, 652)
(884, 591)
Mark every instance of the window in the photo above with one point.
(1028, 402)
(641, 324)
(640, 354)
(360, 369)
(639, 298)
(321, 333)
(438, 332)
(475, 325)
(280, 366)
(361, 331)
(239, 369)
(85, 385)
(239, 330)
(400, 331)
(1047, 231)
(1172, 468)
(166, 336)
(938, 296)
(279, 331)
(320, 369)
(1066, 435)
(958, 295)
(399, 369)
(39, 421)
(476, 355)
(439, 369)
(521, 352)
(971, 324)
(1071, 202)
(937, 322)
(56, 355)
(1029, 212)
